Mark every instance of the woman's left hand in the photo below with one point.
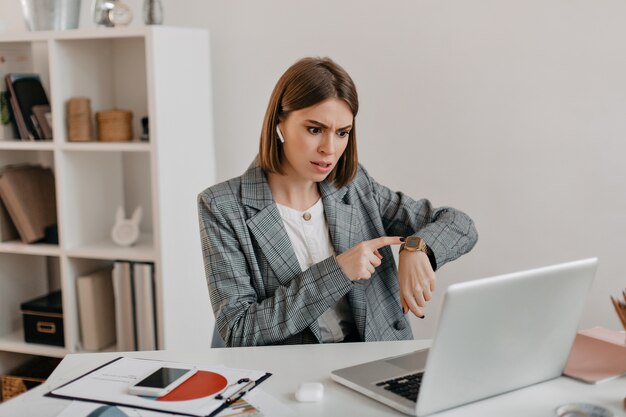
(417, 281)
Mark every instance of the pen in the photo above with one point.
(240, 393)
(618, 309)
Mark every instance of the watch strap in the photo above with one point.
(428, 252)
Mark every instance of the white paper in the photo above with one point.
(110, 384)
(83, 409)
(267, 404)
(261, 402)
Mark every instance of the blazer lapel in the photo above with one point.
(267, 226)
(345, 232)
(268, 230)
(341, 221)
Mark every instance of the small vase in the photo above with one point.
(152, 12)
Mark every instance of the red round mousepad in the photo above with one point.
(202, 384)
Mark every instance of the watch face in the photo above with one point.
(120, 14)
(412, 242)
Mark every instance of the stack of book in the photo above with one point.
(118, 305)
(28, 107)
(598, 354)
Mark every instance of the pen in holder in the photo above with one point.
(620, 308)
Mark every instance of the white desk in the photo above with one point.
(294, 364)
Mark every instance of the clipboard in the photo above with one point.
(85, 388)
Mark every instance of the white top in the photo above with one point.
(310, 238)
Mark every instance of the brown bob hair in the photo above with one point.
(307, 82)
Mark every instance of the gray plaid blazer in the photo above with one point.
(260, 295)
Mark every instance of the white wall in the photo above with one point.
(513, 111)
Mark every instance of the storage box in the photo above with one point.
(43, 320)
(114, 125)
(27, 376)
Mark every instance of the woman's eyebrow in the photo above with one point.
(322, 125)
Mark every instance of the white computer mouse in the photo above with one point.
(310, 392)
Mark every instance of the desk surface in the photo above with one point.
(292, 365)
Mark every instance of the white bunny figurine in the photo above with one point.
(126, 231)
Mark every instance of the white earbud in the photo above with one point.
(280, 134)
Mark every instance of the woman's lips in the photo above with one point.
(321, 166)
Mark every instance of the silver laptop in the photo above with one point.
(494, 335)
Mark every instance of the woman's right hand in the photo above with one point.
(360, 261)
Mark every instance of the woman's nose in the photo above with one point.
(327, 146)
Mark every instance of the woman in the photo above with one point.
(296, 250)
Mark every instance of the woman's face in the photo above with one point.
(315, 138)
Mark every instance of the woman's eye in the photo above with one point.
(344, 134)
(314, 130)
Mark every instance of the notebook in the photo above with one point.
(494, 335)
(598, 355)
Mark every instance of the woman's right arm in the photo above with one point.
(242, 317)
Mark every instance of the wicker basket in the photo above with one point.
(114, 125)
(13, 386)
(27, 376)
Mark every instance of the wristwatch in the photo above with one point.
(414, 244)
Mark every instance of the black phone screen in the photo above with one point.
(162, 377)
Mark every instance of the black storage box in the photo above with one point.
(43, 320)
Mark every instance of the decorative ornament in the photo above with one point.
(152, 12)
(111, 13)
(126, 231)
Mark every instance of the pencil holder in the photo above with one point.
(79, 120)
(114, 125)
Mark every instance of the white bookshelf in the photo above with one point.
(161, 72)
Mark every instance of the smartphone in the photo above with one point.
(162, 381)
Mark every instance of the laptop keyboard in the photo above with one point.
(406, 386)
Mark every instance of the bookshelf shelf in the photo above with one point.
(106, 147)
(15, 145)
(105, 249)
(17, 247)
(155, 71)
(14, 342)
(78, 34)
